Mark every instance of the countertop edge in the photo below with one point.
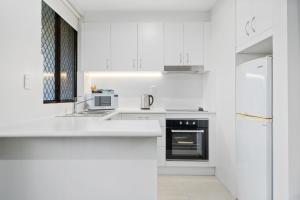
(162, 111)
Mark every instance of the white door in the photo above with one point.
(124, 46)
(243, 21)
(150, 46)
(254, 87)
(96, 46)
(262, 16)
(173, 43)
(193, 43)
(254, 159)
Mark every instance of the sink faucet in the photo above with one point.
(76, 103)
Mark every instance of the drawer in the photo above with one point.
(161, 118)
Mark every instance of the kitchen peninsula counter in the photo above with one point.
(75, 158)
(83, 127)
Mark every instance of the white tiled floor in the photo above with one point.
(191, 188)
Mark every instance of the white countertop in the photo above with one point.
(151, 111)
(156, 111)
(159, 111)
(140, 111)
(93, 126)
(83, 127)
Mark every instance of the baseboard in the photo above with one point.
(187, 171)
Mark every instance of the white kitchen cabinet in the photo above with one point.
(184, 44)
(144, 46)
(96, 46)
(253, 18)
(161, 156)
(193, 43)
(150, 46)
(124, 44)
(161, 141)
(243, 15)
(173, 43)
(262, 16)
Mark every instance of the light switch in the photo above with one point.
(27, 82)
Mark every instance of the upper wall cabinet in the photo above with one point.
(253, 21)
(193, 43)
(173, 43)
(184, 44)
(150, 46)
(141, 46)
(124, 44)
(96, 46)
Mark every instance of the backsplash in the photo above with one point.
(169, 90)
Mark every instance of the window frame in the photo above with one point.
(57, 68)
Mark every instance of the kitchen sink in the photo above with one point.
(88, 114)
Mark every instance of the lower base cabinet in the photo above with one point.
(166, 167)
(161, 141)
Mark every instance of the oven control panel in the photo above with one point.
(187, 123)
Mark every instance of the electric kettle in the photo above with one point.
(147, 101)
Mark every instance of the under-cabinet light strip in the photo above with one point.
(124, 74)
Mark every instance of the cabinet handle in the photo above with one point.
(107, 63)
(246, 28)
(187, 58)
(180, 58)
(140, 63)
(252, 26)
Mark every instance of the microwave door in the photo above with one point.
(102, 101)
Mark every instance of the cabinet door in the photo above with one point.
(243, 20)
(124, 46)
(193, 43)
(262, 16)
(173, 43)
(150, 46)
(96, 46)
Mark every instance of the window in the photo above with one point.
(59, 50)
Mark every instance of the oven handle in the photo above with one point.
(185, 142)
(187, 131)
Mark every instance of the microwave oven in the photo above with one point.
(102, 101)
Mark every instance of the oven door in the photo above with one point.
(187, 144)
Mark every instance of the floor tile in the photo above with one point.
(191, 188)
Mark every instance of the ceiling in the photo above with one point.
(142, 5)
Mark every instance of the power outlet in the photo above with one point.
(27, 81)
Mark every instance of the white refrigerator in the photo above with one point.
(254, 129)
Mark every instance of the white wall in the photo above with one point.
(20, 51)
(222, 60)
(171, 91)
(280, 101)
(294, 98)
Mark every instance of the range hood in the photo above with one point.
(184, 69)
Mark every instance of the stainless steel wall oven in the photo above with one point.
(187, 139)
